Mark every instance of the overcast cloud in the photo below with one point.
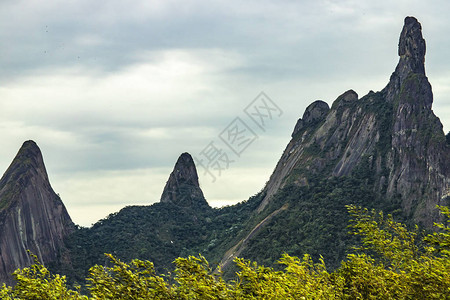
(114, 91)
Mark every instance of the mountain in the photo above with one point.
(32, 216)
(385, 150)
(182, 188)
(392, 134)
(179, 225)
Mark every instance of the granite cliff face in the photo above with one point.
(32, 216)
(392, 135)
(182, 187)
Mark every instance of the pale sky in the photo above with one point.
(114, 91)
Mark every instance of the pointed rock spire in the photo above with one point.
(395, 128)
(28, 162)
(32, 216)
(183, 188)
(411, 49)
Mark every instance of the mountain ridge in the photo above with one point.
(356, 127)
(388, 144)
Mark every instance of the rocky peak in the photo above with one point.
(347, 97)
(411, 49)
(182, 187)
(32, 216)
(316, 111)
(417, 138)
(27, 163)
(393, 135)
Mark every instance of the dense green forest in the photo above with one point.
(391, 262)
(314, 223)
(160, 233)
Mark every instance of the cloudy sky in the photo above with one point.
(114, 91)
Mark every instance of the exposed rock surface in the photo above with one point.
(315, 112)
(32, 216)
(394, 134)
(183, 188)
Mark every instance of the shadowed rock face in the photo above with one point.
(418, 143)
(32, 216)
(411, 49)
(394, 132)
(183, 188)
